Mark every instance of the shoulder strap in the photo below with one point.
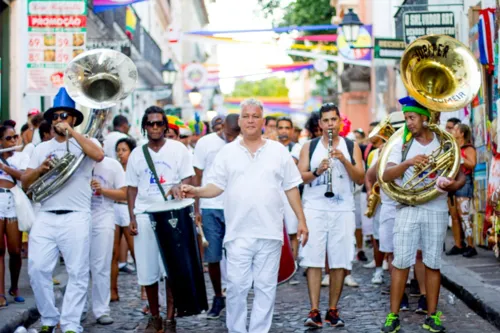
(350, 148)
(290, 146)
(406, 149)
(151, 166)
(312, 147)
(367, 151)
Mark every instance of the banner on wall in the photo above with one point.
(56, 34)
(362, 50)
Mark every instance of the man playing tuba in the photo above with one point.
(423, 225)
(63, 223)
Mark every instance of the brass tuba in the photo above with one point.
(96, 79)
(443, 75)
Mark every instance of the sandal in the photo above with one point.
(3, 306)
(17, 299)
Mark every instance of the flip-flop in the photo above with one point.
(17, 299)
(3, 306)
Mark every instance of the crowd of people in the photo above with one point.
(249, 175)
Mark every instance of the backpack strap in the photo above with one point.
(406, 149)
(312, 147)
(290, 146)
(151, 166)
(350, 148)
(367, 151)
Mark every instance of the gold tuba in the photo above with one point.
(96, 79)
(443, 75)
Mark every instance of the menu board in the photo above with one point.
(57, 32)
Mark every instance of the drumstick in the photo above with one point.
(202, 234)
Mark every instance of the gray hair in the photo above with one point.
(252, 102)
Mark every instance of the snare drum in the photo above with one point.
(287, 262)
(175, 230)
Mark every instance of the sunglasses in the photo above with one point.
(62, 116)
(11, 137)
(158, 123)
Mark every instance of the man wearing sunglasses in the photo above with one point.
(63, 221)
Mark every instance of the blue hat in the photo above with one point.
(63, 102)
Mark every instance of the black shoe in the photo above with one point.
(405, 305)
(217, 306)
(332, 318)
(362, 256)
(313, 319)
(470, 252)
(126, 269)
(386, 290)
(414, 288)
(47, 329)
(392, 324)
(455, 250)
(433, 323)
(422, 305)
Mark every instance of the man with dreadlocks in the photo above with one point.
(423, 225)
(172, 163)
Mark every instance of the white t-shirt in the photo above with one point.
(18, 161)
(110, 143)
(204, 154)
(75, 194)
(440, 204)
(111, 175)
(253, 187)
(172, 163)
(313, 196)
(28, 149)
(296, 151)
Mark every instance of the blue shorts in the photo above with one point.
(214, 227)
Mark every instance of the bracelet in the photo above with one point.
(315, 174)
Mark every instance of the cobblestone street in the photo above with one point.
(363, 310)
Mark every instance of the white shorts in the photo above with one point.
(291, 221)
(376, 223)
(357, 210)
(122, 217)
(386, 233)
(147, 254)
(333, 231)
(366, 222)
(7, 206)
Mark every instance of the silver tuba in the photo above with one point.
(96, 79)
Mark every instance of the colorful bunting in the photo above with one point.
(102, 5)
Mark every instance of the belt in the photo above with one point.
(4, 190)
(120, 203)
(60, 212)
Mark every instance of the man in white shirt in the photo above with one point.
(172, 162)
(331, 221)
(63, 221)
(252, 172)
(121, 127)
(212, 210)
(423, 225)
(108, 186)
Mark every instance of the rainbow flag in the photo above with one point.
(102, 5)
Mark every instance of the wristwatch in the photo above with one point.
(315, 173)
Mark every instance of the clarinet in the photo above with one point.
(329, 187)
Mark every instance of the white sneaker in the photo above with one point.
(385, 265)
(371, 264)
(378, 278)
(326, 281)
(350, 282)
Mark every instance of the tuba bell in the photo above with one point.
(96, 79)
(443, 75)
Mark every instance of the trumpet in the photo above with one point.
(329, 187)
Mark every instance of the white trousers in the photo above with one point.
(101, 255)
(251, 260)
(69, 234)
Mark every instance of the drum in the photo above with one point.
(175, 230)
(287, 263)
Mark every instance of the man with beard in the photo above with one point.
(63, 221)
(172, 163)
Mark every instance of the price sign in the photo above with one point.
(62, 40)
(35, 42)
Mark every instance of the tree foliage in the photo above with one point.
(270, 87)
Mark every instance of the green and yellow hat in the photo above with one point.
(411, 105)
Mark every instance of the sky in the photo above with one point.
(245, 58)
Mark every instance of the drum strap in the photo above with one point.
(151, 166)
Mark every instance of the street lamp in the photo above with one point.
(169, 72)
(195, 97)
(350, 26)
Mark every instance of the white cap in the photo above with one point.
(185, 131)
(397, 119)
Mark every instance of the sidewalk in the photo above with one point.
(476, 281)
(16, 315)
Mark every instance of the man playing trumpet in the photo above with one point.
(423, 225)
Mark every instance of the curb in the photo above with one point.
(485, 308)
(29, 316)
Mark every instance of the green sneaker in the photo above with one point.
(392, 324)
(47, 329)
(433, 323)
(70, 332)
